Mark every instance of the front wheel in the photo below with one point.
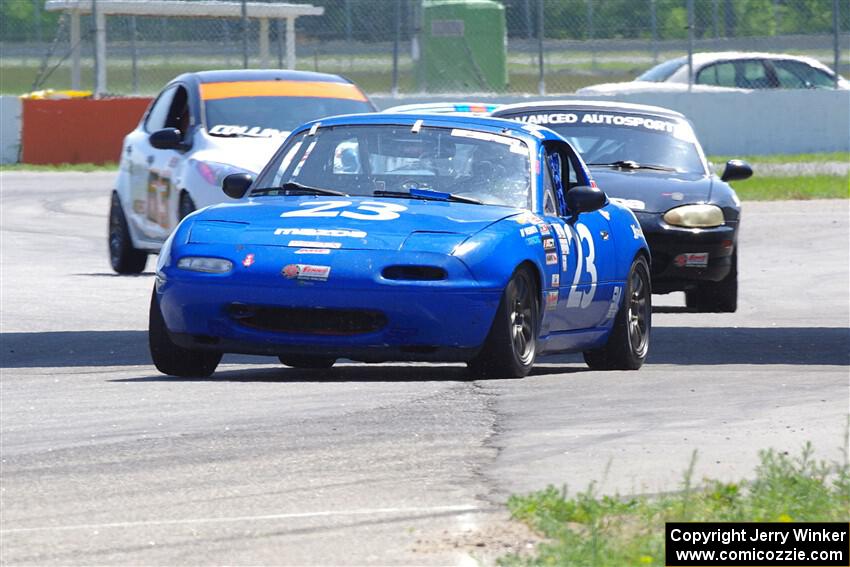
(172, 359)
(716, 297)
(628, 342)
(511, 344)
(124, 257)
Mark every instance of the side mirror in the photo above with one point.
(736, 170)
(236, 185)
(167, 139)
(584, 199)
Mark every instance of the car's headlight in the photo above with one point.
(205, 264)
(695, 216)
(214, 172)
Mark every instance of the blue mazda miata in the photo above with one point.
(388, 237)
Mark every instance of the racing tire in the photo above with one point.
(628, 343)
(186, 206)
(124, 257)
(511, 344)
(306, 362)
(716, 297)
(172, 359)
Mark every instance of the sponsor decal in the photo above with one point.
(531, 241)
(565, 245)
(632, 204)
(605, 214)
(306, 272)
(636, 231)
(564, 263)
(314, 89)
(248, 131)
(332, 232)
(548, 244)
(556, 280)
(313, 251)
(691, 260)
(551, 258)
(308, 244)
(528, 230)
(528, 218)
(544, 229)
(615, 302)
(677, 196)
(559, 230)
(248, 260)
(551, 300)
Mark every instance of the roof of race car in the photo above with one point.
(235, 75)
(589, 105)
(510, 127)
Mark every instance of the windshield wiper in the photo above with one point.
(293, 188)
(428, 195)
(631, 164)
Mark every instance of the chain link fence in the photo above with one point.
(406, 46)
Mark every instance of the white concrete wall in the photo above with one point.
(757, 123)
(10, 128)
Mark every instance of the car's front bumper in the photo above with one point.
(253, 311)
(676, 252)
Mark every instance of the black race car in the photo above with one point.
(649, 159)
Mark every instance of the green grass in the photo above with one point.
(786, 158)
(586, 529)
(800, 187)
(86, 167)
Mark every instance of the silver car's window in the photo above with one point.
(807, 75)
(662, 71)
(360, 160)
(718, 75)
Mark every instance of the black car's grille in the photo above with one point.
(308, 321)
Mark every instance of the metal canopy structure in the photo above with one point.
(176, 8)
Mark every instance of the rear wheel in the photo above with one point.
(172, 359)
(125, 258)
(628, 342)
(716, 297)
(315, 362)
(511, 344)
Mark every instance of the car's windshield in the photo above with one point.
(661, 72)
(612, 137)
(392, 160)
(251, 108)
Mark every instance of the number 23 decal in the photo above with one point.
(372, 210)
(577, 297)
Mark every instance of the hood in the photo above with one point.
(251, 154)
(365, 223)
(650, 86)
(653, 191)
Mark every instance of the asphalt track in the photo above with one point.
(105, 461)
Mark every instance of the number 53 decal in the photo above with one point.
(372, 210)
(577, 297)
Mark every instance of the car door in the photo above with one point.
(153, 185)
(586, 248)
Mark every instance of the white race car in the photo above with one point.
(202, 127)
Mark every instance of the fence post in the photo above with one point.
(99, 50)
(290, 42)
(653, 19)
(690, 45)
(396, 40)
(279, 29)
(75, 50)
(134, 55)
(591, 34)
(244, 34)
(836, 46)
(541, 83)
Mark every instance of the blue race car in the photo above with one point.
(380, 237)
